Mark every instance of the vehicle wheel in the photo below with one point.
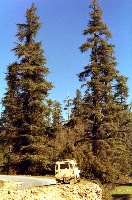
(64, 180)
(75, 179)
(78, 179)
(58, 181)
(72, 181)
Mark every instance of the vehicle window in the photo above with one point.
(71, 166)
(56, 166)
(63, 166)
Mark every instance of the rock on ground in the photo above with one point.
(78, 191)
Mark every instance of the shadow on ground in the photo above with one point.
(122, 197)
(126, 184)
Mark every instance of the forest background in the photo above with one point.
(98, 131)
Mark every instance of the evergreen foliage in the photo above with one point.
(26, 109)
(98, 131)
(77, 103)
(105, 100)
(57, 117)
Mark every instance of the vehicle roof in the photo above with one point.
(66, 161)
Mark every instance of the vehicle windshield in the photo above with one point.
(64, 166)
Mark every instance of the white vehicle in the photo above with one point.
(66, 171)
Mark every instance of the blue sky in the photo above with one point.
(61, 36)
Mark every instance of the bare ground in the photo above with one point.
(81, 191)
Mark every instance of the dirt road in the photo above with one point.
(24, 182)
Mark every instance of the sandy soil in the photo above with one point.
(80, 191)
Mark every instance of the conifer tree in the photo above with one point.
(105, 93)
(77, 103)
(56, 119)
(25, 101)
(57, 114)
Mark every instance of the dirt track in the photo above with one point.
(25, 182)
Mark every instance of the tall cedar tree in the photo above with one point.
(77, 103)
(106, 90)
(56, 118)
(26, 110)
(57, 114)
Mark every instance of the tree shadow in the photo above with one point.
(122, 197)
(126, 184)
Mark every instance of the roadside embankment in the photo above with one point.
(80, 191)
